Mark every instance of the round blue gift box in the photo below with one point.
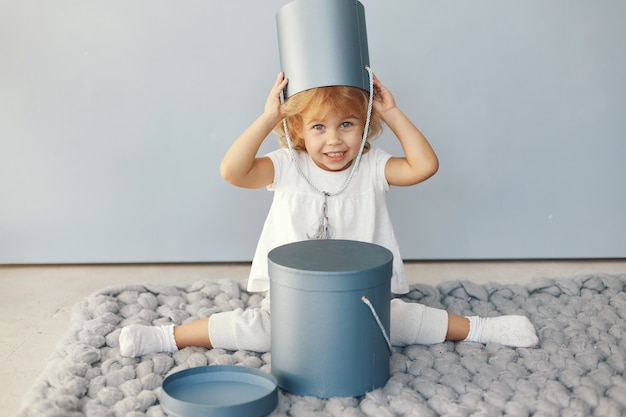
(322, 43)
(325, 340)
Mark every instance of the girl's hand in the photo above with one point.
(272, 104)
(240, 165)
(383, 100)
(419, 161)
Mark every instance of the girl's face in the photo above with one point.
(333, 141)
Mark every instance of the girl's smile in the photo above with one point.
(333, 141)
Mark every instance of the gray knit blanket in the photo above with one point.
(578, 369)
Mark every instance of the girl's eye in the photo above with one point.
(318, 127)
(346, 124)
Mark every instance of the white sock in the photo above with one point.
(136, 340)
(516, 331)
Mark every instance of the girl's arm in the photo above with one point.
(240, 166)
(420, 161)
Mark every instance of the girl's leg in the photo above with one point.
(194, 333)
(233, 330)
(413, 323)
(458, 327)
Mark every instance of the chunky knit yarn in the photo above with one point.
(578, 368)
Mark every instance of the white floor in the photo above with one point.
(36, 301)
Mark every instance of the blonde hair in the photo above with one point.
(345, 101)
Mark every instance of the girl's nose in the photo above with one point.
(334, 138)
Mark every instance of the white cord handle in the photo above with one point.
(380, 324)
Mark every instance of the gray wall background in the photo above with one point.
(114, 116)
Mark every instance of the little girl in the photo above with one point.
(325, 127)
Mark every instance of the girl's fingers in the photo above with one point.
(281, 81)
